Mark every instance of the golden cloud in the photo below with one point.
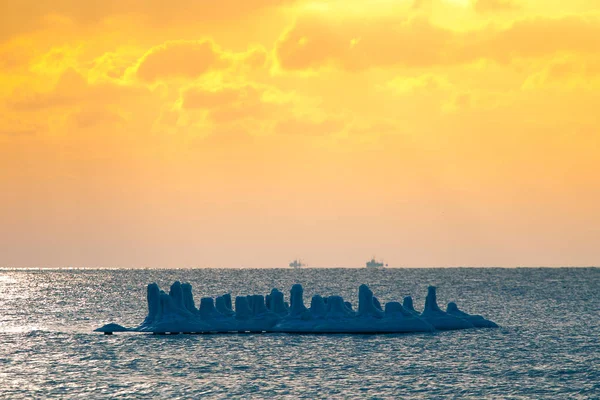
(565, 73)
(22, 16)
(305, 127)
(227, 96)
(69, 90)
(72, 89)
(315, 42)
(357, 44)
(485, 6)
(537, 37)
(97, 116)
(197, 98)
(73, 104)
(410, 84)
(187, 59)
(192, 59)
(256, 110)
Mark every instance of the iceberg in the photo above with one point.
(477, 320)
(176, 312)
(108, 329)
(222, 305)
(439, 319)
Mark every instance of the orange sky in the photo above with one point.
(246, 133)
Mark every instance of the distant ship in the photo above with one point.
(297, 264)
(375, 264)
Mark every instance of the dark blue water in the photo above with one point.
(548, 346)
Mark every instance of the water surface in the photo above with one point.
(548, 346)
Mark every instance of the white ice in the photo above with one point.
(176, 312)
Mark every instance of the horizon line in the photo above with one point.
(13, 268)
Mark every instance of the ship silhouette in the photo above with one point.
(297, 264)
(372, 263)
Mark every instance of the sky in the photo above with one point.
(427, 133)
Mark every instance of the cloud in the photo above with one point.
(73, 104)
(14, 127)
(356, 44)
(72, 89)
(255, 57)
(486, 6)
(198, 98)
(17, 132)
(565, 73)
(190, 59)
(460, 101)
(252, 109)
(187, 59)
(111, 65)
(537, 37)
(261, 104)
(361, 43)
(258, 110)
(93, 117)
(13, 55)
(209, 99)
(22, 16)
(419, 4)
(304, 127)
(410, 84)
(68, 91)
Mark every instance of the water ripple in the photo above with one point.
(548, 346)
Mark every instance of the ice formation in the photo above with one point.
(176, 312)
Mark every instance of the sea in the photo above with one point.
(547, 346)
